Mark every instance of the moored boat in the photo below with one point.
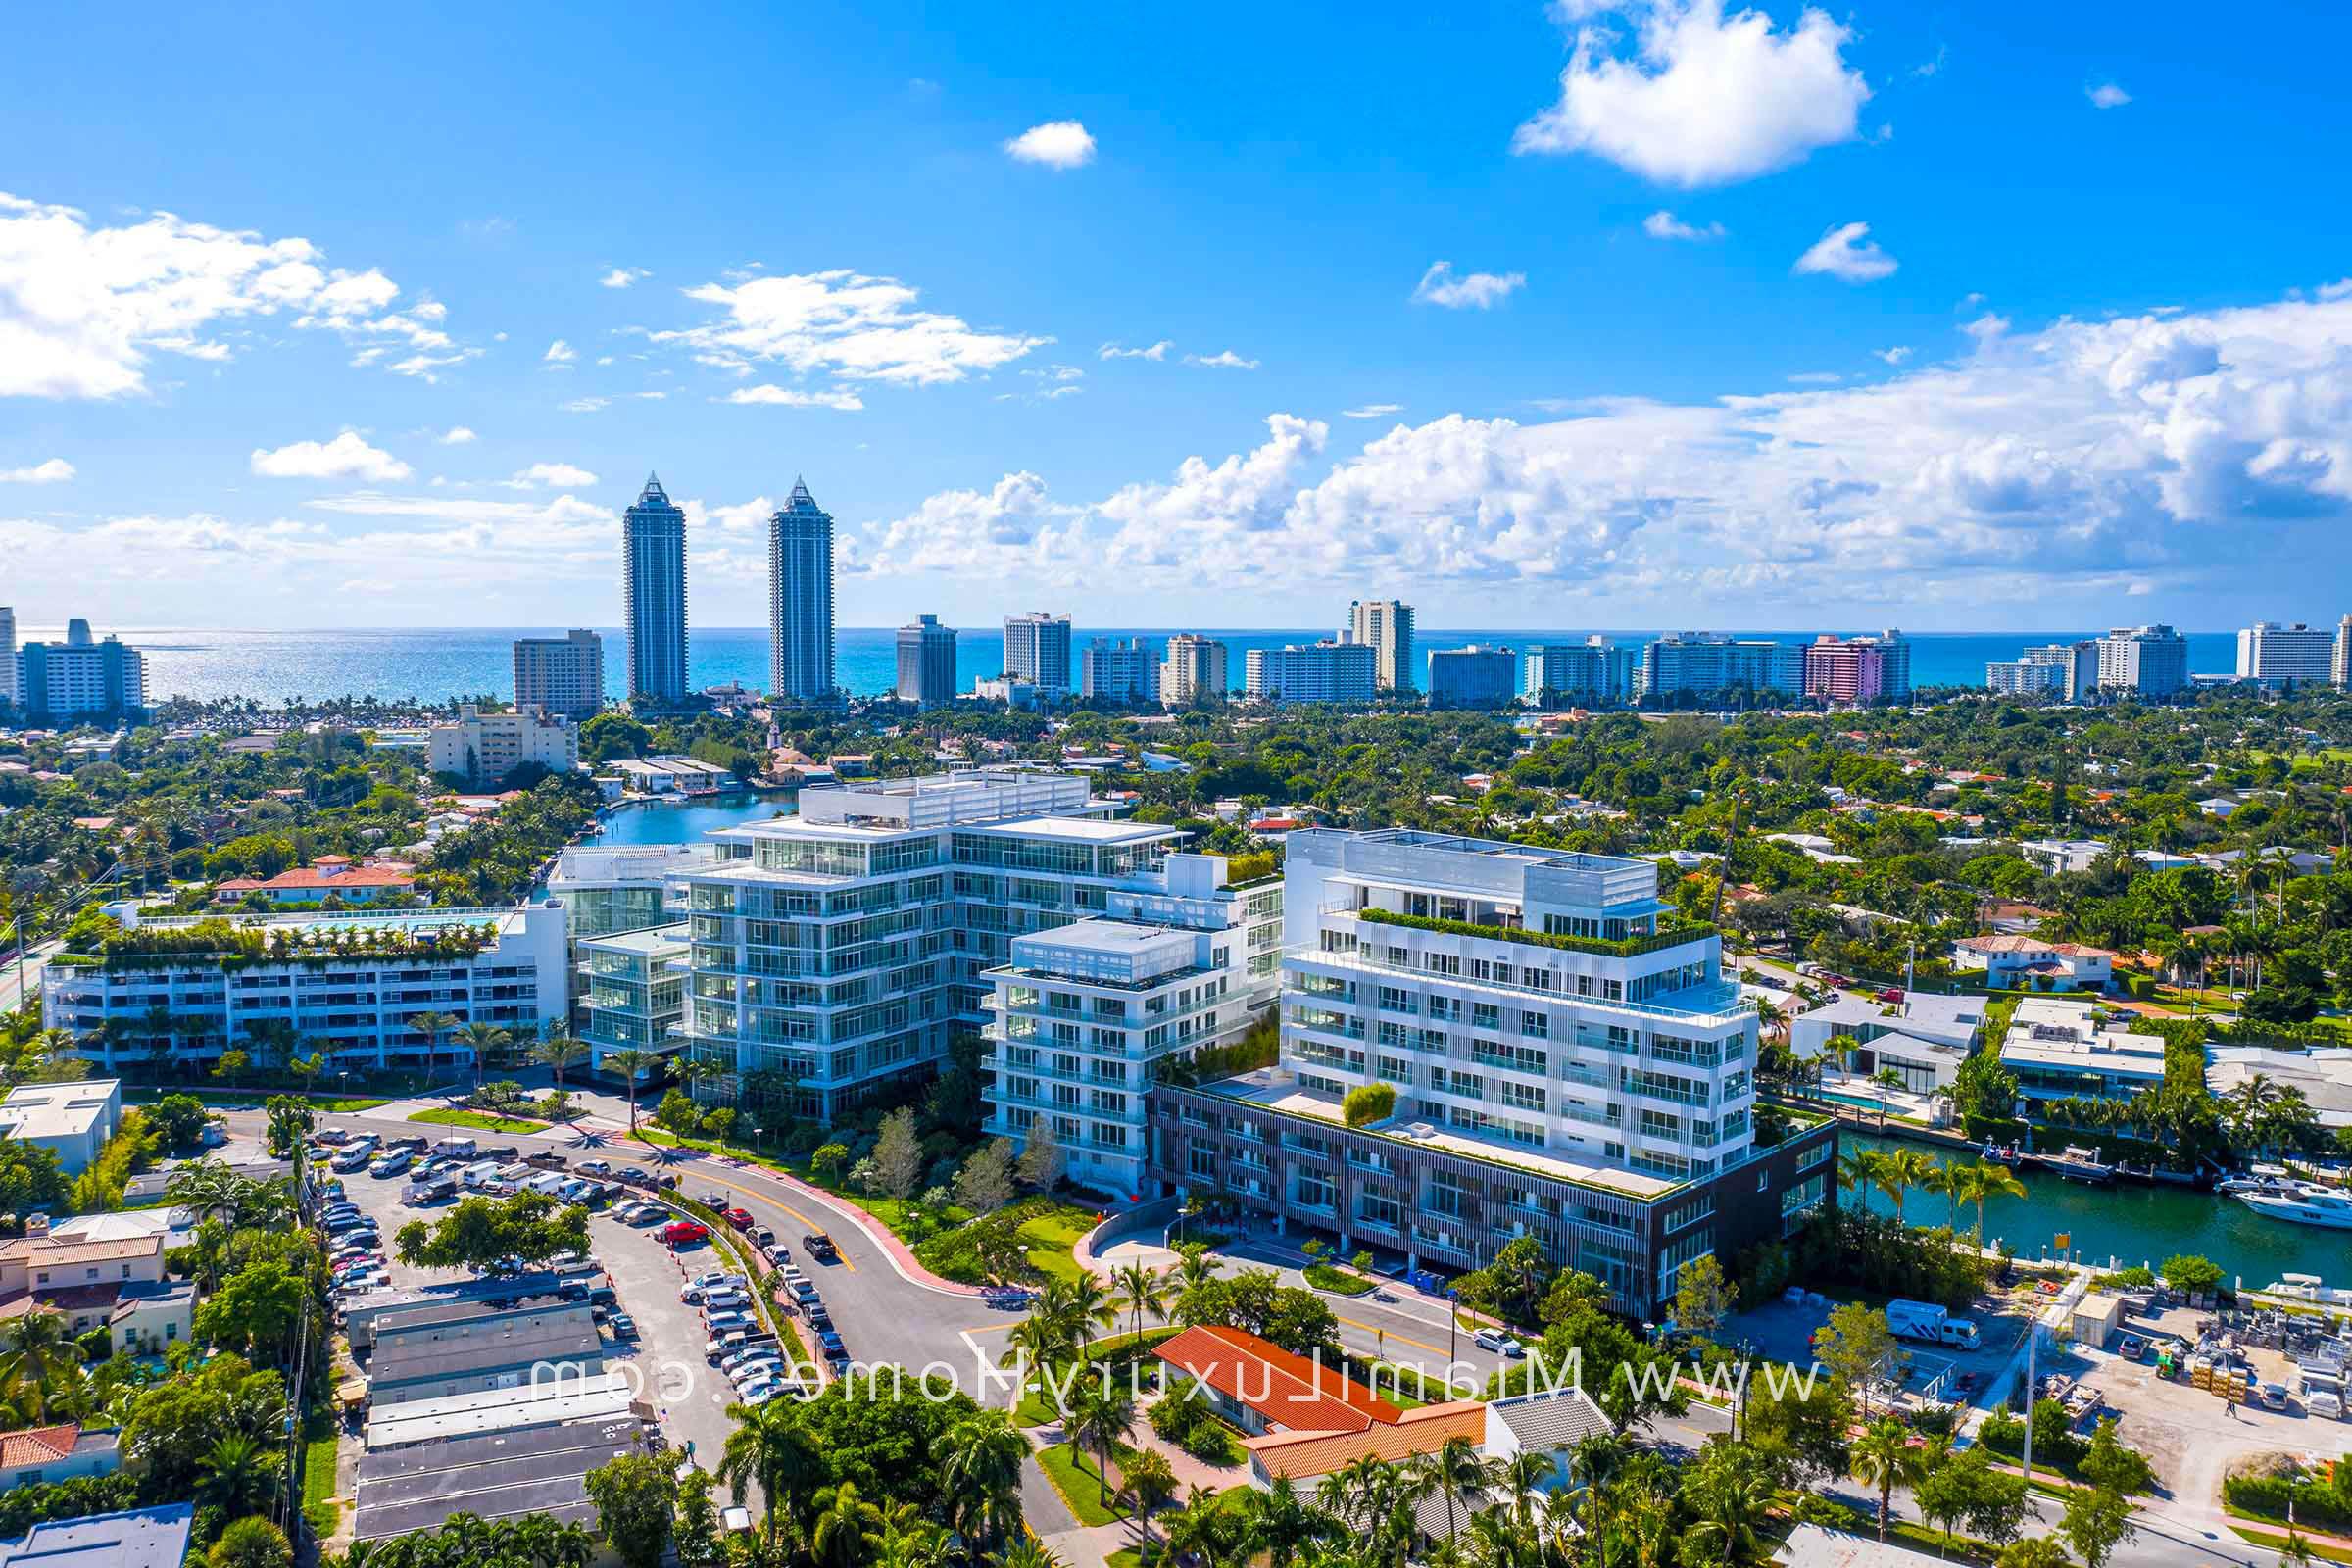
(2079, 1164)
(2303, 1204)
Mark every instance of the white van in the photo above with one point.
(546, 1181)
(2325, 1403)
(481, 1174)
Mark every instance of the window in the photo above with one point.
(1202, 1161)
(1486, 1015)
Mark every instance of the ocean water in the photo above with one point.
(440, 663)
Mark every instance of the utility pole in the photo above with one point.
(2032, 1343)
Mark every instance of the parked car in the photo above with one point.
(712, 1198)
(621, 1326)
(762, 1236)
(596, 1167)
(739, 1218)
(393, 1164)
(683, 1233)
(2129, 1348)
(1499, 1343)
(633, 1176)
(778, 1253)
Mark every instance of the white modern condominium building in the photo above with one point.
(485, 747)
(1313, 672)
(2276, 655)
(2149, 661)
(350, 985)
(1087, 1015)
(1516, 996)
(845, 946)
(1037, 650)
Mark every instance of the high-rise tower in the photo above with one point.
(799, 599)
(652, 593)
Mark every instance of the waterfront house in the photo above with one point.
(2057, 1052)
(2020, 962)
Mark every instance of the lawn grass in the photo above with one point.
(1079, 1482)
(318, 1479)
(2275, 1539)
(1324, 1277)
(1929, 1538)
(444, 1117)
(1052, 1236)
(254, 1100)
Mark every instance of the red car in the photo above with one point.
(680, 1232)
(739, 1218)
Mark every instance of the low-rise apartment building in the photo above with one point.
(484, 748)
(844, 947)
(72, 1120)
(1567, 1062)
(349, 984)
(1954, 1022)
(2057, 856)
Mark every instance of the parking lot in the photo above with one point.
(1783, 1331)
(667, 1359)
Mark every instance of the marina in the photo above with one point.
(2132, 1224)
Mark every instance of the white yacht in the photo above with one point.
(2303, 1204)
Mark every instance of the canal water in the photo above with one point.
(686, 822)
(2135, 1225)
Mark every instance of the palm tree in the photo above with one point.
(1902, 1170)
(1453, 1470)
(1278, 1522)
(629, 1061)
(847, 1530)
(1195, 1266)
(1077, 1306)
(980, 1472)
(1027, 1552)
(1143, 1289)
(1993, 1180)
(1101, 1413)
(1883, 1458)
(238, 1476)
(36, 1360)
(1150, 1480)
(1858, 1169)
(480, 1040)
(1523, 1474)
(1203, 1531)
(558, 1049)
(430, 1026)
(1732, 1499)
(770, 1446)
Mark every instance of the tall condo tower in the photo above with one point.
(1037, 650)
(652, 595)
(926, 661)
(799, 599)
(1386, 626)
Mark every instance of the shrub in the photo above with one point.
(2268, 1496)
(1367, 1103)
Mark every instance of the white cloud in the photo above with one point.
(1115, 350)
(559, 353)
(2169, 458)
(1848, 253)
(1895, 355)
(82, 308)
(849, 326)
(1663, 225)
(1373, 410)
(346, 456)
(1701, 100)
(457, 435)
(56, 470)
(2173, 451)
(1222, 359)
(1475, 290)
(557, 476)
(1056, 373)
(794, 398)
(623, 277)
(1057, 144)
(2107, 95)
(1984, 328)
(586, 404)
(1815, 378)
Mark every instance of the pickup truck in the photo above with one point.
(544, 1159)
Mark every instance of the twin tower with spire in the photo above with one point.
(800, 597)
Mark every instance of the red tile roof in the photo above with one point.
(1289, 1390)
(38, 1445)
(1304, 1456)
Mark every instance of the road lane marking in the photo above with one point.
(1400, 1338)
(766, 1197)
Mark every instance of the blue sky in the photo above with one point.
(1943, 316)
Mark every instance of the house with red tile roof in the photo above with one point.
(329, 875)
(61, 1452)
(1261, 1388)
(2018, 962)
